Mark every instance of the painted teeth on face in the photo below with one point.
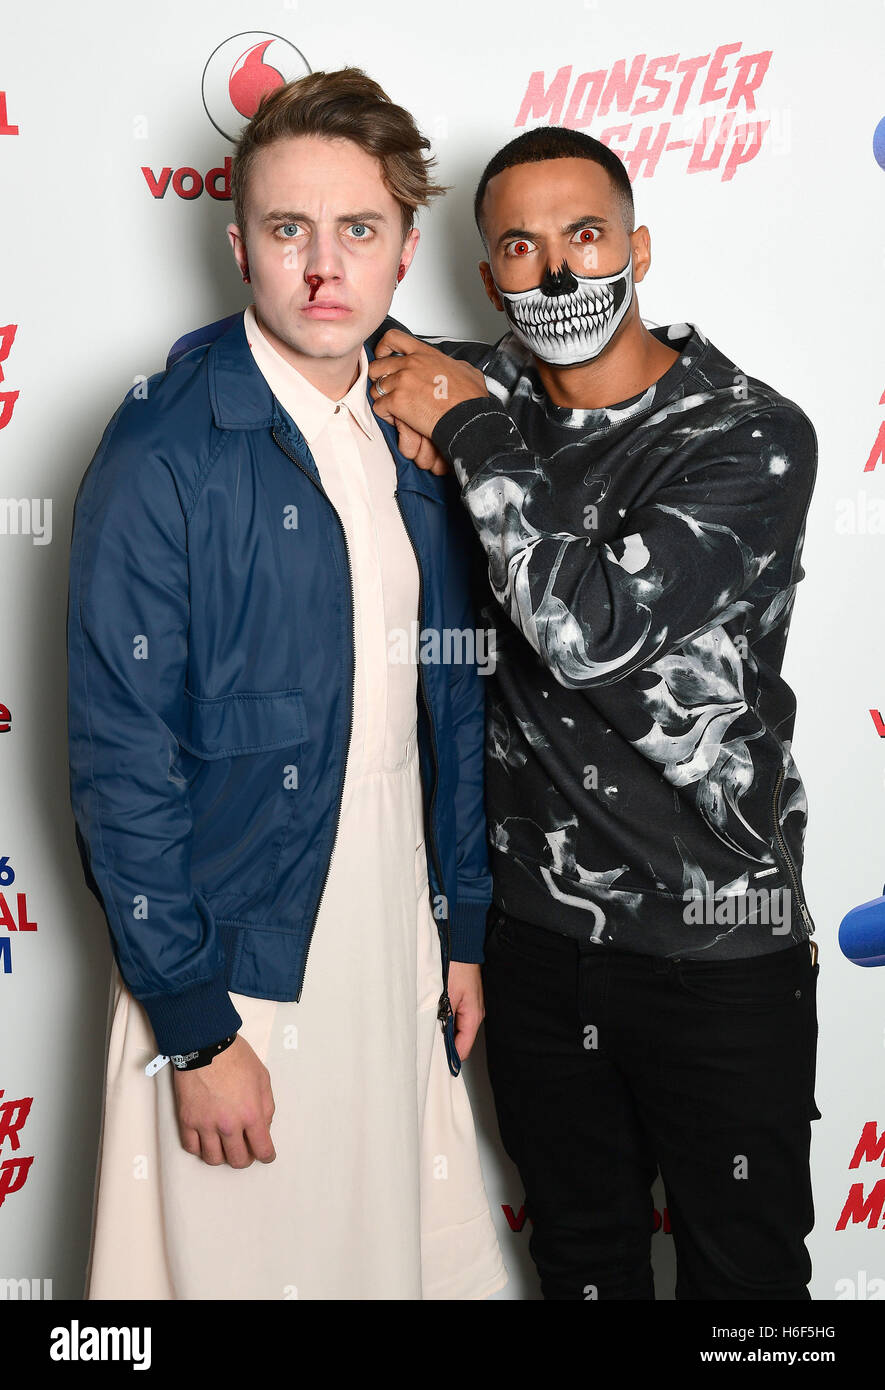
(552, 318)
(566, 329)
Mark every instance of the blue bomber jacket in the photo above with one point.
(210, 691)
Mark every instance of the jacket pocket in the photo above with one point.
(243, 793)
(226, 726)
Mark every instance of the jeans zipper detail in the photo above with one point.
(786, 853)
(444, 1011)
(352, 692)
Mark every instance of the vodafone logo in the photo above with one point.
(240, 71)
(236, 77)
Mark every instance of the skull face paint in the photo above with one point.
(568, 319)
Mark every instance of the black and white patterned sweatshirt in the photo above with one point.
(643, 560)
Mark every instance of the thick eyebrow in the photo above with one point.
(590, 221)
(367, 215)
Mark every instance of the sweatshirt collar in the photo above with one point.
(686, 338)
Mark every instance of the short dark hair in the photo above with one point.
(558, 142)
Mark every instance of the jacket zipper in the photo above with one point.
(444, 1011)
(352, 692)
(786, 853)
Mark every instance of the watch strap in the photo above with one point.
(189, 1061)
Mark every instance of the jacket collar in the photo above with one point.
(241, 399)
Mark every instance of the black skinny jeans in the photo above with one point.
(606, 1066)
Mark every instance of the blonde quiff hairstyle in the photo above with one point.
(346, 104)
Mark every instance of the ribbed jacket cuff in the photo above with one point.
(472, 432)
(192, 1018)
(467, 928)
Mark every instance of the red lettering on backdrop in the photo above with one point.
(699, 160)
(858, 1209)
(7, 398)
(222, 171)
(646, 152)
(5, 127)
(188, 183)
(516, 1220)
(744, 87)
(195, 183)
(13, 1171)
(7, 338)
(641, 85)
(159, 185)
(539, 101)
(877, 453)
(8, 921)
(870, 1148)
(690, 67)
(13, 1114)
(745, 146)
(7, 405)
(646, 104)
(585, 96)
(717, 70)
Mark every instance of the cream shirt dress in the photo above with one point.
(376, 1191)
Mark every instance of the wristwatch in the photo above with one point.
(189, 1061)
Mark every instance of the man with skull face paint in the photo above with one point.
(639, 505)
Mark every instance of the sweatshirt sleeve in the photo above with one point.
(127, 635)
(729, 516)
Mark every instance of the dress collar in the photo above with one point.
(304, 401)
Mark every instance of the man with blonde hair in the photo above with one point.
(254, 780)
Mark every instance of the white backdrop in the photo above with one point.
(778, 259)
